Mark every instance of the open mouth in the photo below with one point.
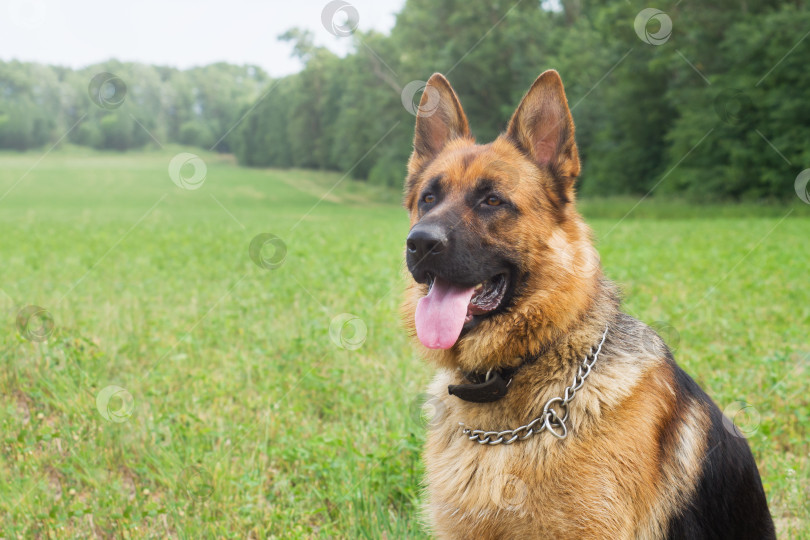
(447, 309)
(487, 296)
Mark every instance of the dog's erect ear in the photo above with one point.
(439, 119)
(543, 127)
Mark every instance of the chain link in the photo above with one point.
(550, 420)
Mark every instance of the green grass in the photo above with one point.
(246, 420)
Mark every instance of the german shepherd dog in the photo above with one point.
(557, 416)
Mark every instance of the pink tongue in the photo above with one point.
(440, 315)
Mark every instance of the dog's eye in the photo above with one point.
(429, 198)
(492, 200)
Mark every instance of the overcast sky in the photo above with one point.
(180, 33)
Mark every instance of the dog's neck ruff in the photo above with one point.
(550, 420)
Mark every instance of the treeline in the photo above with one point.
(120, 106)
(704, 100)
(716, 107)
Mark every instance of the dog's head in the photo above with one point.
(500, 259)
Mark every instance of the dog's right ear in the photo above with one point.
(439, 120)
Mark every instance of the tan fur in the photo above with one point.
(610, 477)
(603, 481)
(563, 294)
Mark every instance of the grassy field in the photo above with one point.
(189, 389)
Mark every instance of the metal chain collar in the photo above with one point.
(550, 419)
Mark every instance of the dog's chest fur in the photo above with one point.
(597, 483)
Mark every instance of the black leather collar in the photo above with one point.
(494, 386)
(490, 386)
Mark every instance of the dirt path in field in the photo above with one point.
(309, 187)
(318, 190)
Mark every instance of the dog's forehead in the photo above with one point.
(461, 167)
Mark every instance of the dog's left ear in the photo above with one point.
(543, 127)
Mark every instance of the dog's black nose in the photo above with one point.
(425, 240)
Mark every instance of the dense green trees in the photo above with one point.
(714, 107)
(120, 106)
(758, 105)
